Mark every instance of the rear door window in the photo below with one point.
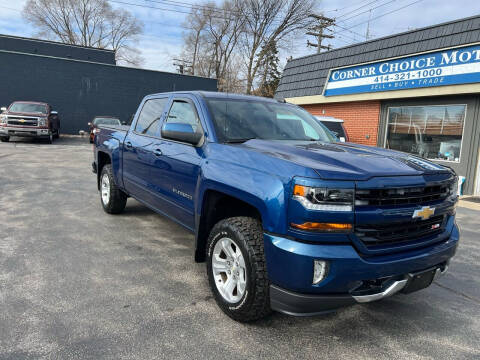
(149, 119)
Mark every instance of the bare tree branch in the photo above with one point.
(87, 23)
(241, 32)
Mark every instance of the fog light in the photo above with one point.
(320, 270)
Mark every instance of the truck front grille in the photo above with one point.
(19, 121)
(402, 196)
(399, 232)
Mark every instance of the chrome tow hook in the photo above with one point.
(395, 287)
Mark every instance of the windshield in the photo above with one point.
(241, 120)
(106, 121)
(28, 108)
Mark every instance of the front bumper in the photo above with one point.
(290, 270)
(24, 131)
(298, 304)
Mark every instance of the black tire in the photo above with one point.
(247, 233)
(117, 198)
(4, 138)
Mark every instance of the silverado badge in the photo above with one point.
(424, 213)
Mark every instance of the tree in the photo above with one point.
(269, 69)
(232, 41)
(88, 23)
(211, 42)
(269, 21)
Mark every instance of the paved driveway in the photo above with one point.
(76, 283)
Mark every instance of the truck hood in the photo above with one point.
(345, 161)
(24, 114)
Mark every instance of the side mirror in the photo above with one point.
(181, 132)
(89, 124)
(3, 108)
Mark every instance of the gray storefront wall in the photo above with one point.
(468, 163)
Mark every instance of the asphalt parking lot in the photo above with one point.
(76, 283)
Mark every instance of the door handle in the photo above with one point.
(128, 145)
(157, 152)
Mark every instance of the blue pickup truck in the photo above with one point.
(286, 217)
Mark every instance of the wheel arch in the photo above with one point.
(218, 205)
(102, 159)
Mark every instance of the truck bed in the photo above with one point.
(115, 127)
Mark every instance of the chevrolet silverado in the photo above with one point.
(286, 216)
(29, 119)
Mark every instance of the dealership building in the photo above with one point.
(417, 91)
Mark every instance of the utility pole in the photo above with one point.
(182, 66)
(367, 35)
(319, 31)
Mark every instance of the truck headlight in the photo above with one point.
(324, 199)
(3, 119)
(42, 122)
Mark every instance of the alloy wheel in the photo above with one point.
(229, 270)
(105, 189)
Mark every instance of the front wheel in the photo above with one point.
(236, 268)
(113, 199)
(4, 139)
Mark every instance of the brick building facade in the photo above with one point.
(360, 118)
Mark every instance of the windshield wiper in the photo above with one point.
(239, 141)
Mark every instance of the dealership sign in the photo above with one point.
(448, 67)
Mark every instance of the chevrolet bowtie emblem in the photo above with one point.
(22, 120)
(425, 213)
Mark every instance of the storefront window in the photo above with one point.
(432, 132)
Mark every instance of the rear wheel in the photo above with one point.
(113, 199)
(236, 268)
(4, 139)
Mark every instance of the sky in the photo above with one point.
(162, 37)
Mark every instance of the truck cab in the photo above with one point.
(286, 217)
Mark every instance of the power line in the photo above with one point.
(347, 29)
(4, 7)
(385, 14)
(163, 9)
(346, 7)
(192, 6)
(350, 12)
(368, 10)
